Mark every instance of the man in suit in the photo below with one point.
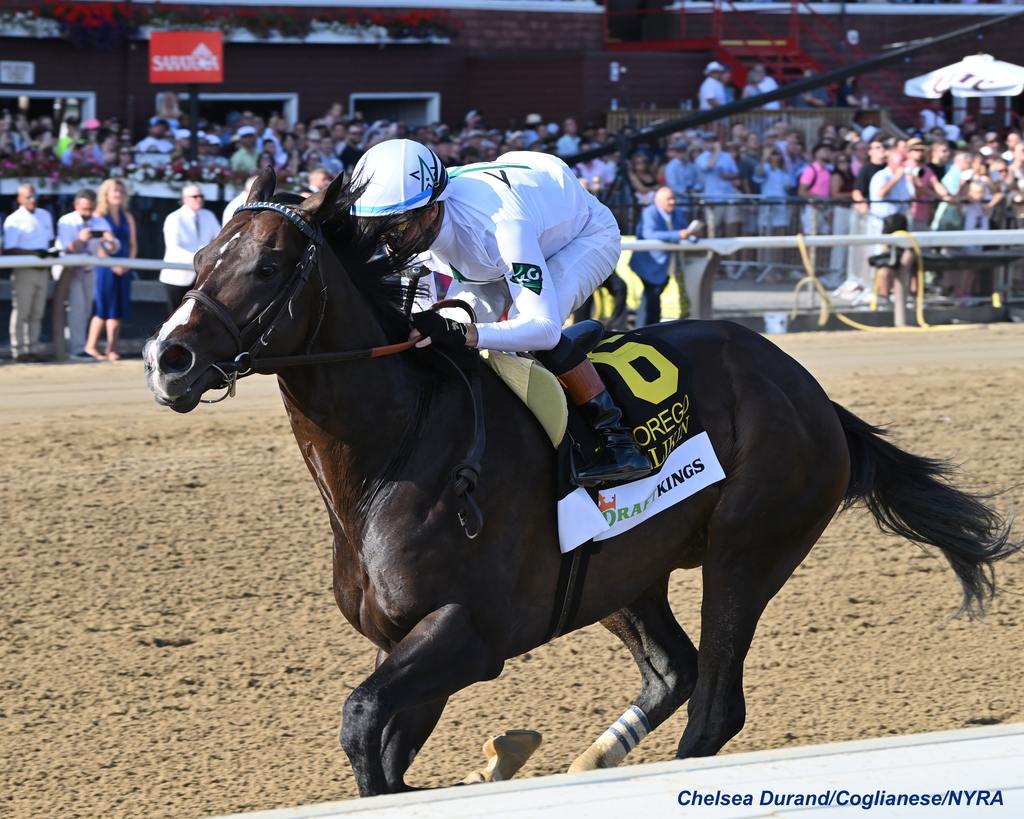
(662, 222)
(186, 230)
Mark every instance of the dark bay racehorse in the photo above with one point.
(381, 438)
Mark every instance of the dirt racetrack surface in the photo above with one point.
(170, 645)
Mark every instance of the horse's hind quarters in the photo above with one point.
(506, 754)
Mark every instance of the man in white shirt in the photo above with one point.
(156, 141)
(759, 82)
(712, 91)
(597, 175)
(27, 232)
(237, 202)
(521, 238)
(82, 232)
(186, 230)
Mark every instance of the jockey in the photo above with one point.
(519, 237)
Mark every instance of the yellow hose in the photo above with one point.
(811, 280)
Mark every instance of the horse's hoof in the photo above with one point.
(506, 754)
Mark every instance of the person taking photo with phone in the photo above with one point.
(81, 231)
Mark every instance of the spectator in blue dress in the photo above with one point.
(777, 184)
(113, 297)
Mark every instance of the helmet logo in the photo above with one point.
(425, 174)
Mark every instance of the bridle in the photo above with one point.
(260, 328)
(246, 361)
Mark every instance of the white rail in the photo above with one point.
(83, 260)
(723, 247)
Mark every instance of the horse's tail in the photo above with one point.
(912, 497)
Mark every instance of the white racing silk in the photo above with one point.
(521, 234)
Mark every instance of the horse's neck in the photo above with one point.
(349, 418)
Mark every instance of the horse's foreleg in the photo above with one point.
(441, 655)
(667, 660)
(404, 735)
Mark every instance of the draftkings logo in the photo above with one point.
(528, 276)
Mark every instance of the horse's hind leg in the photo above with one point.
(668, 671)
(745, 567)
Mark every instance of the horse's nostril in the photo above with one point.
(175, 359)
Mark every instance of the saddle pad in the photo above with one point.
(535, 387)
(651, 381)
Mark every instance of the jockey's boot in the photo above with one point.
(618, 458)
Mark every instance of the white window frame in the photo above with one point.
(433, 99)
(289, 100)
(87, 98)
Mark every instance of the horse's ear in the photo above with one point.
(319, 205)
(263, 188)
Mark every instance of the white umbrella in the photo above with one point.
(980, 75)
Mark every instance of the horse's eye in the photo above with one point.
(267, 270)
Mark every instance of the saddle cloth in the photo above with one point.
(651, 381)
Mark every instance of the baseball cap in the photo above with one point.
(212, 139)
(246, 130)
(182, 133)
(534, 119)
(914, 143)
(91, 124)
(712, 66)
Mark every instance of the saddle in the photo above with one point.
(538, 388)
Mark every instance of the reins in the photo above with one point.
(466, 473)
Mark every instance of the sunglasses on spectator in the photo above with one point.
(193, 196)
(30, 196)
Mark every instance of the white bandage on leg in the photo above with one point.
(611, 747)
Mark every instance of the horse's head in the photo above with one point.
(259, 273)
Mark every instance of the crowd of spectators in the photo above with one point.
(759, 176)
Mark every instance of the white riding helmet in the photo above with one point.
(400, 175)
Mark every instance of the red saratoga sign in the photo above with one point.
(186, 56)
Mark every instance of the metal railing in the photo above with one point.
(701, 260)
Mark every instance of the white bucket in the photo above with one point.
(776, 323)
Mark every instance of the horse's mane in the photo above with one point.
(358, 244)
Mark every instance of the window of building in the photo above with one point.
(413, 108)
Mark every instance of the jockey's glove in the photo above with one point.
(446, 333)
